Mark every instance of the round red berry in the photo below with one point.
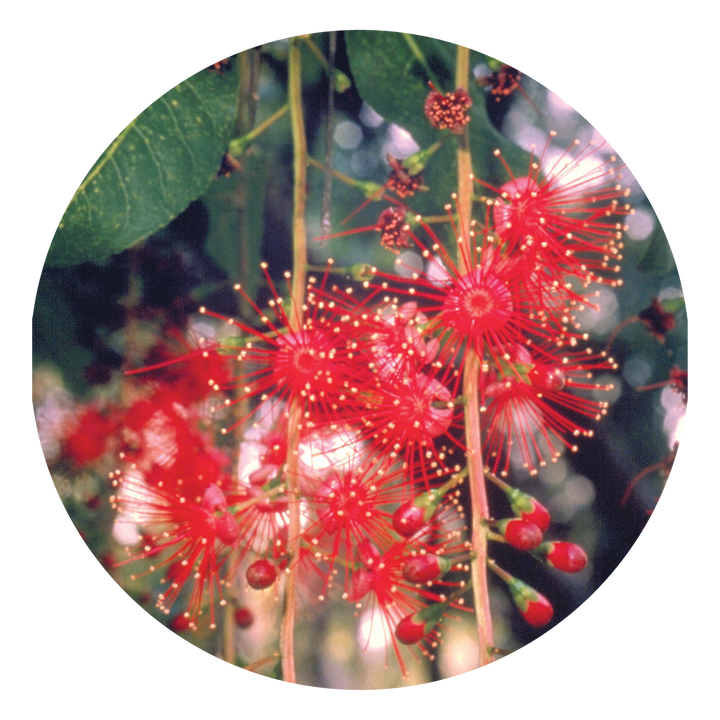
(261, 574)
(243, 617)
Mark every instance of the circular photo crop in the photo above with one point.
(360, 359)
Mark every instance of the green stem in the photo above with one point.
(287, 627)
(368, 187)
(471, 377)
(237, 146)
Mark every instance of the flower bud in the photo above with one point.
(425, 568)
(227, 530)
(261, 574)
(243, 617)
(534, 607)
(528, 508)
(564, 556)
(362, 272)
(409, 631)
(413, 628)
(521, 534)
(410, 517)
(213, 499)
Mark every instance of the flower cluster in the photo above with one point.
(360, 384)
(448, 111)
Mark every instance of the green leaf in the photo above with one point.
(658, 258)
(152, 171)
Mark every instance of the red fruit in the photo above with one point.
(243, 617)
(409, 630)
(521, 534)
(425, 568)
(261, 574)
(564, 556)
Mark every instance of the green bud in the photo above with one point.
(362, 272)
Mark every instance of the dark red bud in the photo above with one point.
(534, 607)
(226, 529)
(362, 581)
(413, 628)
(520, 533)
(425, 568)
(261, 574)
(528, 508)
(409, 630)
(539, 612)
(243, 617)
(408, 519)
(564, 556)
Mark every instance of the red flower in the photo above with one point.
(90, 437)
(347, 513)
(315, 365)
(192, 537)
(486, 307)
(387, 589)
(532, 402)
(567, 222)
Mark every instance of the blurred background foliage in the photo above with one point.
(166, 222)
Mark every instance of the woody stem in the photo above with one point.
(471, 377)
(287, 627)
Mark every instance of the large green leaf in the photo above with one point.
(152, 171)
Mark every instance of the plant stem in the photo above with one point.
(287, 627)
(237, 145)
(471, 376)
